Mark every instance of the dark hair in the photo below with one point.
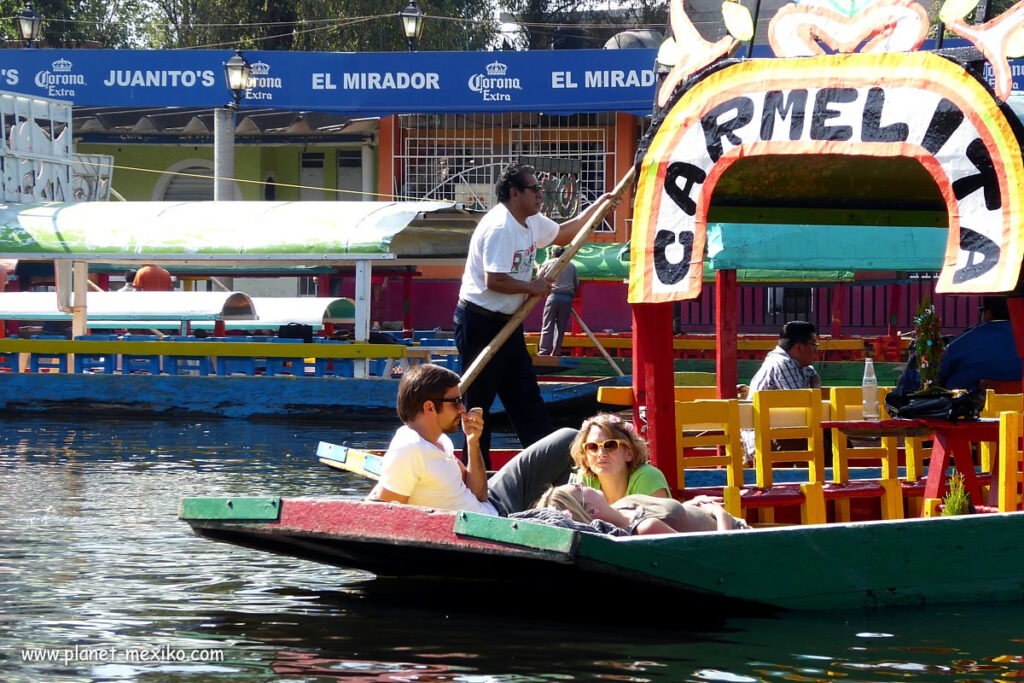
(796, 332)
(512, 176)
(557, 251)
(996, 305)
(129, 275)
(423, 383)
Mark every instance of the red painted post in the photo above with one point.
(726, 333)
(653, 370)
(639, 387)
(219, 329)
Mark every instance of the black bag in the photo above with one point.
(944, 404)
(296, 331)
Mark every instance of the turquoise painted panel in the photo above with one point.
(517, 531)
(252, 508)
(825, 247)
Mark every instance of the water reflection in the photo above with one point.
(92, 558)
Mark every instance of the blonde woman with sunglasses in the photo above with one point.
(612, 458)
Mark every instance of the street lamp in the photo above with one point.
(237, 73)
(28, 23)
(412, 23)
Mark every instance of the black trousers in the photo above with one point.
(508, 375)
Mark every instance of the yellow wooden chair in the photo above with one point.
(996, 405)
(708, 435)
(1008, 478)
(785, 415)
(845, 404)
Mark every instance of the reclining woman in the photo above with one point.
(639, 514)
(612, 458)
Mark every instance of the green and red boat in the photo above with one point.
(891, 145)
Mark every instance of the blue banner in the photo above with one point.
(364, 84)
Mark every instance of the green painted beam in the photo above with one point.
(518, 532)
(253, 508)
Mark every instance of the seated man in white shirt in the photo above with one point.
(420, 467)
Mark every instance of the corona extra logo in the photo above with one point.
(491, 84)
(59, 81)
(260, 82)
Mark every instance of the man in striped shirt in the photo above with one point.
(787, 366)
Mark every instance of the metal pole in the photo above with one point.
(223, 153)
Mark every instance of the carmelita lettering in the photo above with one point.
(858, 116)
(160, 78)
(392, 81)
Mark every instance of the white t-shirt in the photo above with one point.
(501, 244)
(431, 477)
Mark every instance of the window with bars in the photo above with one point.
(459, 157)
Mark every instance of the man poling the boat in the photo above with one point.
(420, 467)
(497, 281)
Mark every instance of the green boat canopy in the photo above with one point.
(762, 253)
(235, 232)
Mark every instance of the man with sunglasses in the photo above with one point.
(497, 280)
(420, 467)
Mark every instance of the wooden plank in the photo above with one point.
(237, 509)
(517, 531)
(350, 459)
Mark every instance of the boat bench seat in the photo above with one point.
(776, 495)
(853, 489)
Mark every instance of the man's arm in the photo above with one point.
(568, 229)
(506, 284)
(386, 496)
(475, 474)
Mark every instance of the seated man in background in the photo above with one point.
(151, 278)
(788, 366)
(986, 351)
(420, 467)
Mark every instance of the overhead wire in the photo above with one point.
(264, 183)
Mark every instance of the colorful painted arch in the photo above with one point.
(909, 105)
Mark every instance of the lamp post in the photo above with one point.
(28, 23)
(412, 23)
(237, 73)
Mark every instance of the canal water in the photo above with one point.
(99, 581)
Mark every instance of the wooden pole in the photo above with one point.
(604, 352)
(519, 316)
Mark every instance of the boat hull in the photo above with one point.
(868, 564)
(237, 396)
